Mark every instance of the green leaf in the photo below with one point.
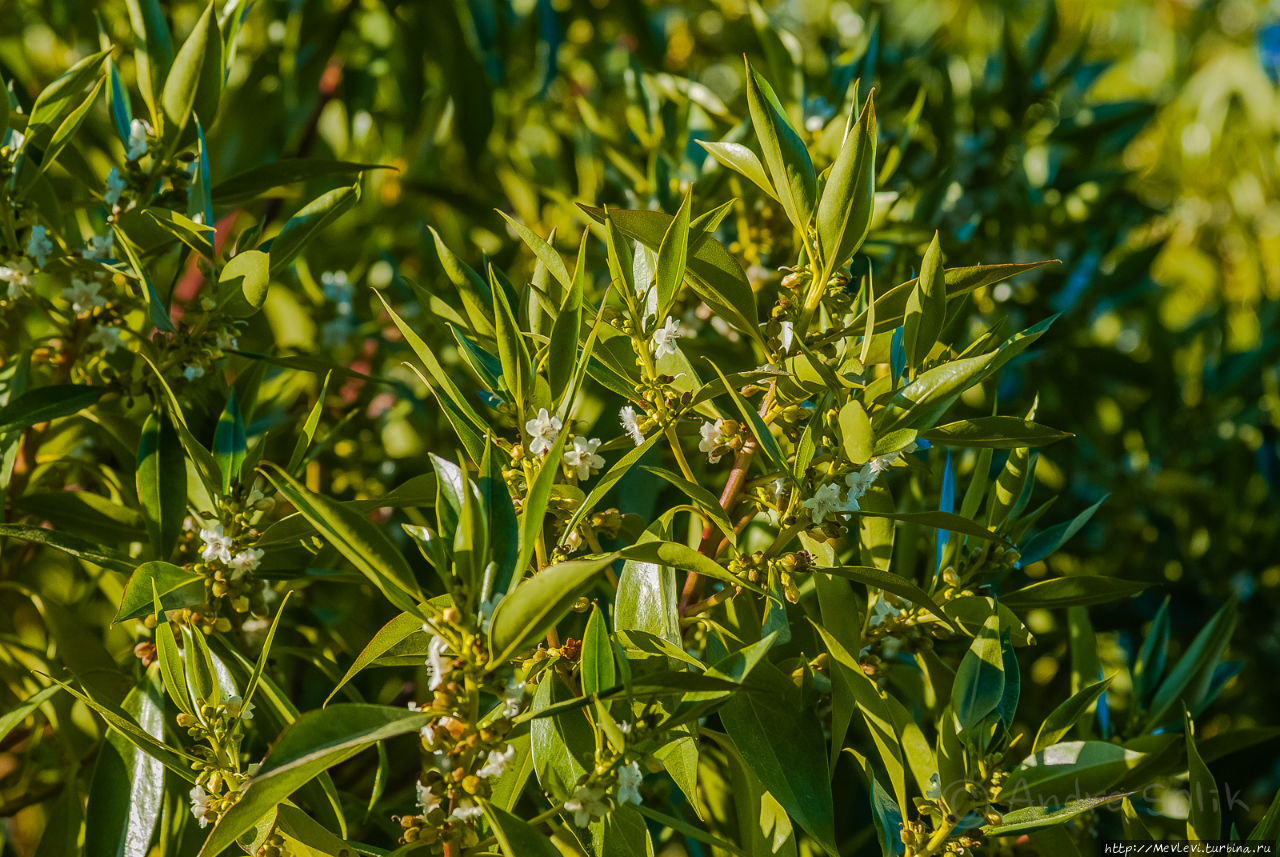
(162, 481)
(785, 154)
(741, 160)
(156, 309)
(12, 718)
(78, 548)
(62, 136)
(781, 742)
(1189, 681)
(1031, 818)
(127, 787)
(889, 582)
(314, 742)
(362, 543)
(538, 495)
(1204, 819)
(1047, 541)
(673, 254)
(243, 283)
(516, 837)
(1059, 722)
(388, 637)
(194, 82)
(152, 51)
(42, 404)
(855, 432)
(979, 684)
(848, 200)
(926, 307)
(683, 557)
(538, 603)
(994, 432)
(57, 100)
(229, 443)
(890, 308)
(1082, 589)
(197, 236)
(256, 181)
(304, 226)
(174, 586)
(546, 254)
(712, 271)
(1069, 768)
(598, 672)
(562, 352)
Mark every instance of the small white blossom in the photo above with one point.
(437, 664)
(84, 295)
(18, 276)
(664, 339)
(106, 337)
(581, 456)
(824, 503)
(881, 463)
(245, 561)
(466, 810)
(629, 777)
(496, 762)
(543, 429)
(587, 804)
(201, 805)
(935, 788)
(779, 488)
(137, 145)
(881, 613)
(192, 371)
(428, 801)
(226, 339)
(513, 698)
(100, 246)
(630, 425)
(217, 545)
(39, 246)
(237, 707)
(116, 187)
(710, 443)
(860, 480)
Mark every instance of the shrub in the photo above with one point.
(694, 556)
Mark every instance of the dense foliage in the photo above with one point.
(698, 499)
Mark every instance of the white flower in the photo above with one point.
(513, 698)
(629, 777)
(18, 276)
(935, 788)
(245, 561)
(192, 371)
(137, 145)
(586, 804)
(664, 339)
(428, 801)
(824, 503)
(630, 425)
(788, 336)
(217, 545)
(543, 429)
(496, 762)
(237, 707)
(466, 809)
(779, 488)
(710, 443)
(116, 186)
(881, 613)
(581, 456)
(106, 337)
(84, 295)
(437, 664)
(100, 246)
(39, 246)
(226, 339)
(200, 805)
(881, 463)
(860, 480)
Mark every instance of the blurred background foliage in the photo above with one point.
(1138, 143)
